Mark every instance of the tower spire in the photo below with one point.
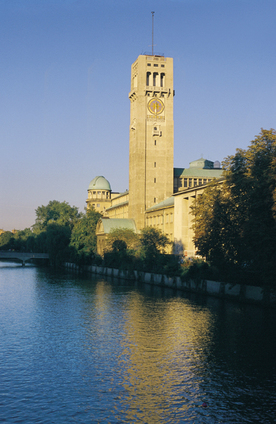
(152, 31)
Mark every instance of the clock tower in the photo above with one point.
(151, 134)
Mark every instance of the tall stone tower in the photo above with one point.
(151, 134)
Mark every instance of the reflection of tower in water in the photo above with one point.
(163, 348)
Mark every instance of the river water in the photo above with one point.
(81, 349)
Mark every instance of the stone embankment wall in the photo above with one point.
(242, 293)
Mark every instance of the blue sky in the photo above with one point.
(65, 78)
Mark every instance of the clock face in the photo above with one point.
(156, 106)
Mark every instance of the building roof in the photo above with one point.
(198, 172)
(164, 204)
(118, 205)
(99, 183)
(105, 225)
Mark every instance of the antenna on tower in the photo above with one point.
(152, 31)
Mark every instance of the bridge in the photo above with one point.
(22, 256)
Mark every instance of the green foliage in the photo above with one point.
(153, 245)
(235, 222)
(5, 239)
(128, 236)
(60, 213)
(57, 242)
(196, 270)
(83, 242)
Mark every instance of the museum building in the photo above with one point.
(159, 195)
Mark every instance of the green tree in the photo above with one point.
(83, 241)
(128, 236)
(235, 225)
(53, 228)
(60, 213)
(153, 245)
(5, 239)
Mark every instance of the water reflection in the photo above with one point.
(77, 349)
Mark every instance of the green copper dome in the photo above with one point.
(99, 183)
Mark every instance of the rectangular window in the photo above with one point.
(200, 181)
(195, 182)
(154, 200)
(185, 182)
(190, 182)
(155, 65)
(155, 142)
(149, 64)
(154, 180)
(154, 164)
(204, 181)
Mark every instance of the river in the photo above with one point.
(83, 349)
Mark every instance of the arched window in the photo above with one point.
(162, 80)
(148, 78)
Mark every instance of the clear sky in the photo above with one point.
(65, 78)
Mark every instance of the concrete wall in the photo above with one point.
(241, 293)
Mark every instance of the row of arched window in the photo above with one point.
(154, 79)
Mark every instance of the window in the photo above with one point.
(190, 182)
(154, 200)
(148, 78)
(204, 181)
(200, 181)
(149, 64)
(154, 180)
(155, 79)
(155, 142)
(162, 66)
(154, 164)
(155, 65)
(162, 80)
(195, 182)
(185, 182)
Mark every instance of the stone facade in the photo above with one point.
(159, 196)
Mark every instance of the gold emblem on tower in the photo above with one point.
(156, 106)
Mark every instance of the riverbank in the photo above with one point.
(238, 292)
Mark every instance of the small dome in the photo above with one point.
(99, 183)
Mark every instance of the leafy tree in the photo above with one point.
(83, 241)
(5, 239)
(235, 223)
(57, 242)
(60, 213)
(118, 235)
(153, 244)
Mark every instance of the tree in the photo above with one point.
(52, 229)
(235, 223)
(153, 245)
(126, 235)
(83, 241)
(5, 239)
(60, 213)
